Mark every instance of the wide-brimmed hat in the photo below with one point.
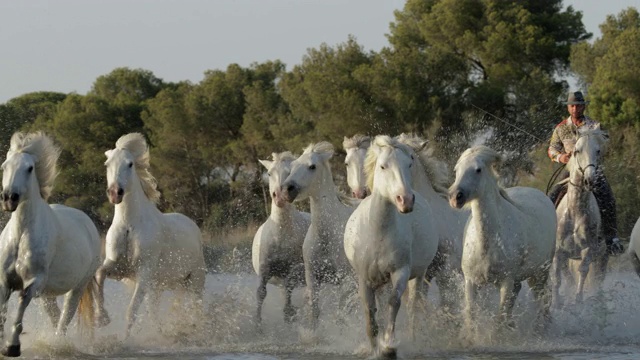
(576, 98)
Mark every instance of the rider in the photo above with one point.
(560, 148)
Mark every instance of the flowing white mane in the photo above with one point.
(137, 146)
(358, 141)
(46, 153)
(283, 156)
(489, 157)
(379, 142)
(436, 170)
(323, 147)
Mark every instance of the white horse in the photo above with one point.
(430, 179)
(323, 251)
(579, 234)
(356, 149)
(391, 236)
(277, 245)
(156, 251)
(510, 236)
(634, 247)
(45, 250)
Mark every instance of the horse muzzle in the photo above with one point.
(10, 201)
(115, 194)
(278, 199)
(290, 191)
(457, 199)
(360, 193)
(405, 203)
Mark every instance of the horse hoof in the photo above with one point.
(389, 353)
(11, 351)
(103, 321)
(289, 315)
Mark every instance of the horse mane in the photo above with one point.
(283, 156)
(436, 170)
(381, 141)
(357, 141)
(323, 147)
(137, 146)
(490, 157)
(601, 136)
(46, 153)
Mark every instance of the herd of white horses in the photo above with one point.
(405, 226)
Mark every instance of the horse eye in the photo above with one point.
(382, 167)
(478, 170)
(130, 165)
(312, 167)
(30, 169)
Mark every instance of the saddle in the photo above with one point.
(562, 191)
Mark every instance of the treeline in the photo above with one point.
(455, 71)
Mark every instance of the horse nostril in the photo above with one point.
(399, 199)
(120, 192)
(273, 194)
(13, 197)
(291, 188)
(458, 196)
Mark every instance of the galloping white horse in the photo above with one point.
(45, 250)
(391, 236)
(156, 251)
(323, 251)
(277, 245)
(430, 179)
(509, 238)
(356, 149)
(579, 234)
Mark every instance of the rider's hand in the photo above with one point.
(564, 158)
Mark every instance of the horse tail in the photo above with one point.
(86, 310)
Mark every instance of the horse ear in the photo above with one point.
(108, 153)
(266, 163)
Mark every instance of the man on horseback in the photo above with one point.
(560, 149)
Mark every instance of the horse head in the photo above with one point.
(309, 172)
(127, 167)
(388, 168)
(356, 149)
(29, 170)
(474, 171)
(278, 169)
(586, 158)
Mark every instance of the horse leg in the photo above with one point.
(134, 305)
(583, 269)
(539, 287)
(369, 304)
(261, 294)
(289, 311)
(69, 308)
(415, 295)
(311, 293)
(399, 279)
(13, 345)
(635, 261)
(51, 308)
(509, 291)
(5, 293)
(101, 312)
(560, 265)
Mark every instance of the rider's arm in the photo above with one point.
(556, 148)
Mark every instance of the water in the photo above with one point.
(607, 326)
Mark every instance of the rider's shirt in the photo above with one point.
(565, 135)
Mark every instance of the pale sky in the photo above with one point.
(64, 45)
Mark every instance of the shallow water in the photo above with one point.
(606, 325)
